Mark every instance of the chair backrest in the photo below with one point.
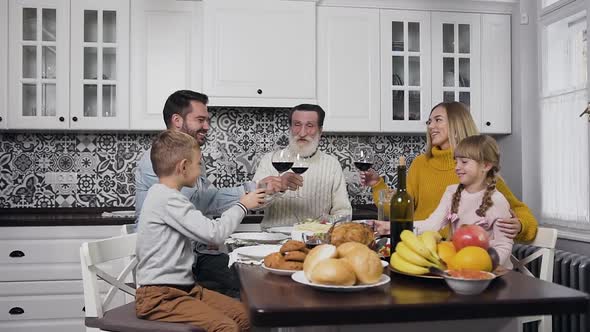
(545, 241)
(97, 252)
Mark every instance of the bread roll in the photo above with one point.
(365, 264)
(348, 247)
(317, 254)
(333, 271)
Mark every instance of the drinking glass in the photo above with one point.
(282, 160)
(363, 158)
(300, 165)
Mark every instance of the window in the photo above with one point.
(564, 157)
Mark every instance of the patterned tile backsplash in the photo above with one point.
(105, 162)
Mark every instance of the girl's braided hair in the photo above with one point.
(482, 149)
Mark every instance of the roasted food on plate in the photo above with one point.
(290, 257)
(352, 232)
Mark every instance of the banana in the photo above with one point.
(430, 240)
(435, 235)
(412, 257)
(414, 243)
(402, 265)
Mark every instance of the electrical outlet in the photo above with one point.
(61, 177)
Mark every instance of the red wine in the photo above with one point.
(363, 166)
(299, 169)
(282, 166)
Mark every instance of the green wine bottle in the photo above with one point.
(401, 213)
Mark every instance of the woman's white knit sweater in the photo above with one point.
(324, 192)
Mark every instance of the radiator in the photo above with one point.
(570, 270)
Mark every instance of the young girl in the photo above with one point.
(431, 172)
(475, 199)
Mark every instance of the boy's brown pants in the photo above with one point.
(197, 306)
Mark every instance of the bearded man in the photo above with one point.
(323, 190)
(186, 111)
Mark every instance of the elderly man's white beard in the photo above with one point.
(304, 149)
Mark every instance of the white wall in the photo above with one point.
(520, 150)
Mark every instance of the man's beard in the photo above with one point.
(304, 149)
(193, 133)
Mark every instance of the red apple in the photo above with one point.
(471, 235)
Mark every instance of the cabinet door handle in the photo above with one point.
(259, 91)
(62, 119)
(75, 119)
(488, 123)
(0, 119)
(17, 254)
(16, 311)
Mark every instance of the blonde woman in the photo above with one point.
(432, 172)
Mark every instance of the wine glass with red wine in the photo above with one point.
(300, 166)
(282, 160)
(363, 158)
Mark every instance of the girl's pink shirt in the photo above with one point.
(466, 215)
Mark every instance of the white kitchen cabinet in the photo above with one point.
(166, 55)
(456, 60)
(56, 54)
(3, 63)
(259, 52)
(405, 68)
(99, 64)
(348, 68)
(38, 85)
(461, 56)
(496, 104)
(40, 284)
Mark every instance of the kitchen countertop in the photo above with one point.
(15, 217)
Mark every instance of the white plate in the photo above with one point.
(281, 229)
(384, 263)
(279, 271)
(259, 237)
(299, 277)
(257, 252)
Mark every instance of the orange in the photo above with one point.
(446, 251)
(471, 258)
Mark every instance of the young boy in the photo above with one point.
(168, 224)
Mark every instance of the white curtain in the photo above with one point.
(564, 160)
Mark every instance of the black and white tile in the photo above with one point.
(105, 162)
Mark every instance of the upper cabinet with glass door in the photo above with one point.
(456, 53)
(38, 64)
(405, 68)
(100, 62)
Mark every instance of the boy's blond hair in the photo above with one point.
(169, 148)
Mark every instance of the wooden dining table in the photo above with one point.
(408, 303)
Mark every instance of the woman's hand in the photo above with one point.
(511, 227)
(369, 178)
(381, 227)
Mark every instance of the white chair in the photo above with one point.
(99, 316)
(545, 241)
(128, 229)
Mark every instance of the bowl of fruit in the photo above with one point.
(468, 282)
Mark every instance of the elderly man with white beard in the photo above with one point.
(324, 189)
